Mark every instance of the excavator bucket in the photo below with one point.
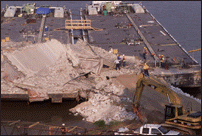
(141, 117)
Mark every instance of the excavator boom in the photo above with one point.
(174, 113)
(158, 86)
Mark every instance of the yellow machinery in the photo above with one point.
(175, 115)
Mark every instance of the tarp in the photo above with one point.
(42, 11)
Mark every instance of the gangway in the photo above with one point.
(42, 27)
(79, 24)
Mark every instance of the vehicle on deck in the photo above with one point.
(154, 129)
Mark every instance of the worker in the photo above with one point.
(124, 60)
(161, 58)
(183, 64)
(118, 57)
(117, 62)
(166, 64)
(145, 52)
(145, 69)
(63, 129)
(110, 50)
(174, 59)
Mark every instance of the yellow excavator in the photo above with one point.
(175, 116)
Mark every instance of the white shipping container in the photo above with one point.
(138, 9)
(59, 12)
(10, 12)
(92, 10)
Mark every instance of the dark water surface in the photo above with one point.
(182, 19)
(38, 111)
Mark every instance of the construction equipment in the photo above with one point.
(175, 115)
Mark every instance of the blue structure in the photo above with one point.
(43, 11)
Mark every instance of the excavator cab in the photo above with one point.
(173, 111)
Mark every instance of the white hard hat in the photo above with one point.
(123, 55)
(63, 124)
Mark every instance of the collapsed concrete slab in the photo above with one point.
(33, 58)
(52, 68)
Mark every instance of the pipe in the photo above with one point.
(71, 29)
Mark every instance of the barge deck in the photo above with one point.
(146, 31)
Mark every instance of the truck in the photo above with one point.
(154, 129)
(188, 122)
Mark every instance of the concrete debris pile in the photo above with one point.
(47, 67)
(54, 68)
(83, 57)
(104, 104)
(33, 58)
(76, 71)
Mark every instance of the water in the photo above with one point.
(44, 112)
(182, 19)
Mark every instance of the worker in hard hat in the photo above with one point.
(118, 57)
(145, 52)
(63, 129)
(124, 60)
(162, 60)
(117, 62)
(111, 50)
(146, 69)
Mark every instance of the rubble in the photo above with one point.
(64, 76)
(79, 69)
(123, 129)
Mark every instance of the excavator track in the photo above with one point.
(185, 131)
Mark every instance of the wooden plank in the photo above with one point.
(33, 125)
(14, 122)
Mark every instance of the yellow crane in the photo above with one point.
(175, 115)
